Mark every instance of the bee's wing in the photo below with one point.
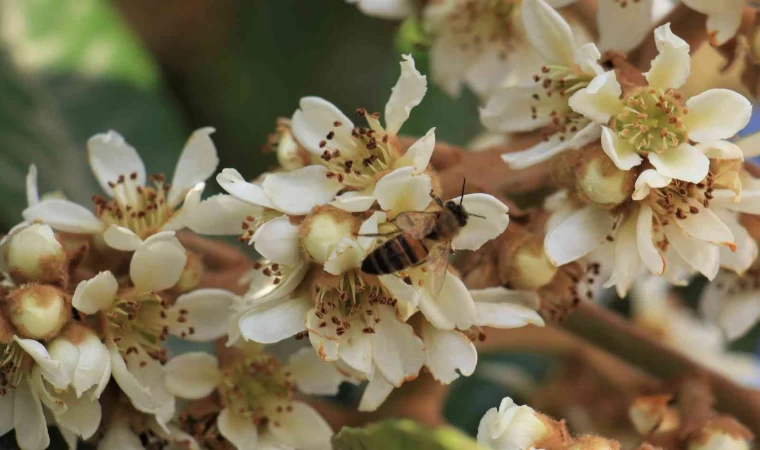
(438, 266)
(417, 223)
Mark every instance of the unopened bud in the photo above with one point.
(721, 433)
(324, 229)
(526, 266)
(653, 413)
(34, 254)
(38, 311)
(290, 155)
(191, 274)
(77, 343)
(511, 426)
(600, 181)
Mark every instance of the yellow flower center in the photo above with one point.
(140, 321)
(652, 120)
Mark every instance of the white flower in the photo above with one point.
(129, 430)
(354, 157)
(723, 18)
(135, 210)
(624, 24)
(568, 67)
(731, 301)
(386, 9)
(137, 319)
(511, 427)
(653, 122)
(256, 391)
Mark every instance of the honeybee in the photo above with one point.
(421, 236)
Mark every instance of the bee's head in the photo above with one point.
(459, 212)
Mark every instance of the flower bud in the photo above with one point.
(324, 229)
(38, 311)
(653, 413)
(526, 266)
(191, 274)
(75, 344)
(511, 426)
(721, 433)
(600, 181)
(34, 254)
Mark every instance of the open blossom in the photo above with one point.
(568, 67)
(653, 122)
(137, 320)
(134, 211)
(256, 390)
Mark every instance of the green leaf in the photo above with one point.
(402, 434)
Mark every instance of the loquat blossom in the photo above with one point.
(511, 427)
(653, 122)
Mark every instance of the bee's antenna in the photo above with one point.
(476, 215)
(461, 198)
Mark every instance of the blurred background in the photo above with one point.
(156, 70)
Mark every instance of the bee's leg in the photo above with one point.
(436, 198)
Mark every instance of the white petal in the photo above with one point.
(716, 114)
(28, 419)
(111, 157)
(121, 238)
(448, 354)
(119, 436)
(738, 314)
(648, 180)
(452, 307)
(278, 241)
(707, 226)
(478, 231)
(355, 348)
(158, 263)
(501, 308)
(52, 370)
(263, 289)
(312, 375)
(374, 395)
(703, 257)
(82, 416)
(407, 93)
(385, 9)
(302, 428)
(231, 181)
(400, 290)
(138, 394)
(64, 215)
(684, 162)
(354, 201)
(418, 154)
(316, 118)
(548, 32)
(32, 193)
(555, 144)
(197, 162)
(6, 413)
(721, 150)
(650, 255)
(626, 259)
(297, 192)
(94, 366)
(620, 151)
(238, 430)
(579, 234)
(586, 57)
(401, 191)
(192, 375)
(206, 311)
(396, 349)
(142, 380)
(217, 215)
(671, 67)
(622, 29)
(275, 320)
(600, 100)
(95, 294)
(514, 108)
(449, 62)
(746, 247)
(723, 24)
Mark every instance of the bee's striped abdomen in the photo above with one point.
(395, 255)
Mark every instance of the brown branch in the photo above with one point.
(613, 333)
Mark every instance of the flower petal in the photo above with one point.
(231, 181)
(397, 351)
(158, 264)
(418, 154)
(401, 191)
(52, 370)
(685, 162)
(64, 215)
(723, 24)
(95, 294)
(142, 380)
(706, 226)
(448, 353)
(192, 375)
(716, 114)
(6, 413)
(217, 215)
(479, 230)
(204, 311)
(275, 320)
(515, 108)
(354, 201)
(375, 393)
(671, 67)
(81, 417)
(119, 436)
(649, 253)
(701, 256)
(548, 32)
(555, 144)
(406, 94)
(620, 151)
(312, 375)
(623, 28)
(587, 57)
(355, 348)
(29, 419)
(238, 430)
(297, 192)
(111, 157)
(498, 307)
(318, 117)
(302, 427)
(120, 238)
(278, 241)
(197, 163)
(600, 100)
(385, 9)
(32, 193)
(746, 251)
(648, 180)
(450, 308)
(721, 149)
(626, 258)
(578, 235)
